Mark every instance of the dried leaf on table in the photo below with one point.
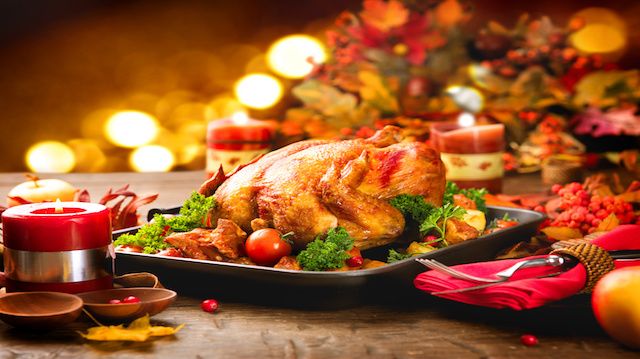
(139, 330)
(562, 233)
(609, 223)
(125, 214)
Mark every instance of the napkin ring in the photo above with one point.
(596, 261)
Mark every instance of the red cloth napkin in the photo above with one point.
(520, 293)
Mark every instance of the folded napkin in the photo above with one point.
(523, 291)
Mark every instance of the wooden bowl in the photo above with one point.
(152, 302)
(39, 310)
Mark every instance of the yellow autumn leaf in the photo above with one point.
(375, 91)
(608, 223)
(562, 233)
(138, 331)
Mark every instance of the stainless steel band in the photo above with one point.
(56, 267)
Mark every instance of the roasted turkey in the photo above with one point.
(311, 186)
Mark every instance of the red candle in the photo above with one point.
(235, 141)
(472, 155)
(61, 247)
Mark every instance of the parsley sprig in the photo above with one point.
(437, 220)
(328, 254)
(150, 237)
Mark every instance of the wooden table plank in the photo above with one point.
(428, 327)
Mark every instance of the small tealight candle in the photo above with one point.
(472, 154)
(61, 246)
(235, 141)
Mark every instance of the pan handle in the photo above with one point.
(171, 210)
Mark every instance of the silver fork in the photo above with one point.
(502, 276)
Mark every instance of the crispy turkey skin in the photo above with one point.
(311, 186)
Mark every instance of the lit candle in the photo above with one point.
(59, 247)
(472, 154)
(235, 141)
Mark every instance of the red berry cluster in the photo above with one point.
(585, 211)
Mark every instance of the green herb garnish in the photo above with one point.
(437, 220)
(474, 194)
(328, 254)
(395, 256)
(150, 237)
(413, 207)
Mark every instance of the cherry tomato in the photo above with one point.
(501, 223)
(209, 305)
(266, 246)
(131, 299)
(129, 248)
(170, 252)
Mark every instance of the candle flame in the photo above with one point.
(58, 206)
(466, 119)
(240, 118)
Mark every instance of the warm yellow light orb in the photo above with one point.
(152, 158)
(131, 129)
(599, 39)
(258, 91)
(50, 157)
(603, 32)
(289, 56)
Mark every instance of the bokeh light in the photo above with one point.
(289, 56)
(50, 157)
(152, 158)
(603, 32)
(466, 98)
(89, 156)
(131, 129)
(258, 91)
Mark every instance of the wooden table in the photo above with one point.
(426, 328)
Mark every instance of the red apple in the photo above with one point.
(40, 190)
(616, 305)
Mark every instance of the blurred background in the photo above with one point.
(115, 85)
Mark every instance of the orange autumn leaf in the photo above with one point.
(608, 223)
(138, 331)
(562, 233)
(449, 13)
(629, 196)
(384, 15)
(493, 200)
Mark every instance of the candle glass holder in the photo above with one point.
(473, 156)
(61, 247)
(235, 141)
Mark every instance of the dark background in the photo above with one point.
(61, 60)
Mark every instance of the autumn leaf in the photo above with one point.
(609, 223)
(139, 330)
(562, 233)
(384, 15)
(375, 91)
(450, 12)
(614, 122)
(594, 87)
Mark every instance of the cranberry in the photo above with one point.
(131, 299)
(115, 301)
(529, 340)
(355, 261)
(209, 305)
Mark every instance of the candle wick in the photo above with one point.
(58, 208)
